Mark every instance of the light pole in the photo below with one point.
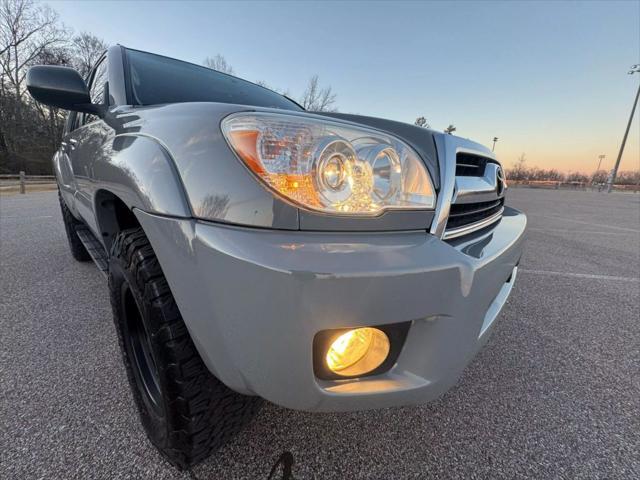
(495, 139)
(612, 177)
(593, 179)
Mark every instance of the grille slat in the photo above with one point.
(468, 213)
(468, 165)
(473, 208)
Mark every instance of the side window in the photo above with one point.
(96, 88)
(71, 123)
(96, 91)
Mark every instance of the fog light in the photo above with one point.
(358, 351)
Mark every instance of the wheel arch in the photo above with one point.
(112, 216)
(137, 172)
(140, 170)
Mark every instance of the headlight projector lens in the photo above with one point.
(332, 164)
(386, 168)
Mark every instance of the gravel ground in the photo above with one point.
(554, 394)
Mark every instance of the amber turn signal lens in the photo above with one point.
(245, 142)
(357, 352)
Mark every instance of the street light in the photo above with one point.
(495, 139)
(593, 178)
(612, 177)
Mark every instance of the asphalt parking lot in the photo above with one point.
(554, 394)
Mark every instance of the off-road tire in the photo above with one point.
(71, 225)
(195, 413)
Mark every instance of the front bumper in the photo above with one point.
(253, 301)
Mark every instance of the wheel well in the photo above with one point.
(112, 216)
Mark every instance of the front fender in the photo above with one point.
(139, 170)
(218, 186)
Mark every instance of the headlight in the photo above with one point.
(328, 166)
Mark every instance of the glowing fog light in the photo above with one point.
(358, 351)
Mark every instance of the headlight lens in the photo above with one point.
(328, 166)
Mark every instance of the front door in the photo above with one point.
(83, 145)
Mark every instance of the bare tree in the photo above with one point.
(264, 84)
(599, 177)
(218, 63)
(628, 178)
(86, 50)
(577, 177)
(317, 99)
(520, 170)
(29, 32)
(450, 129)
(422, 122)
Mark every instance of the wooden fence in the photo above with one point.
(22, 180)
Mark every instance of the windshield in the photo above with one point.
(156, 79)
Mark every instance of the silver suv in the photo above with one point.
(321, 261)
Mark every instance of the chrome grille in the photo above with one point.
(478, 199)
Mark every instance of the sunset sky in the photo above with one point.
(548, 78)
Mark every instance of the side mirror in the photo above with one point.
(61, 87)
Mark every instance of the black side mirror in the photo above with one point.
(61, 87)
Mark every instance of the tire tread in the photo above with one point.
(204, 413)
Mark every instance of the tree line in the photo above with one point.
(522, 172)
(32, 34)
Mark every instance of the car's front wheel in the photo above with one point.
(186, 412)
